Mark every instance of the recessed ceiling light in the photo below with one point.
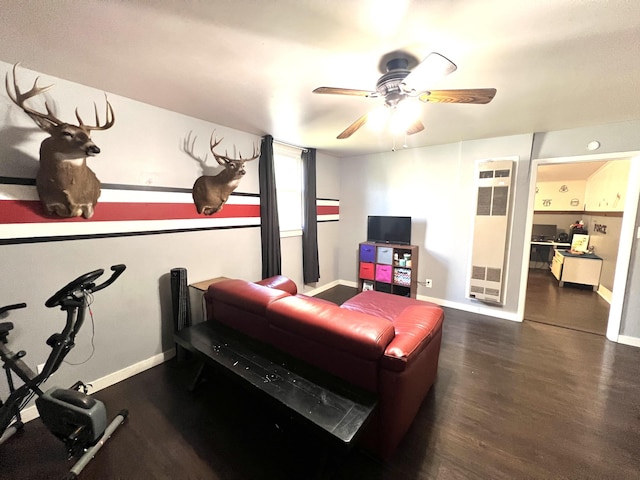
(593, 145)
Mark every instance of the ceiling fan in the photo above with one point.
(404, 78)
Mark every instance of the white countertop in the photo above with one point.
(551, 244)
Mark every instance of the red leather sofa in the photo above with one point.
(384, 343)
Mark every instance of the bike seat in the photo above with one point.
(73, 397)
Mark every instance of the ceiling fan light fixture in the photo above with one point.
(403, 116)
(378, 118)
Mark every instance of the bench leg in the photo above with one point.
(197, 377)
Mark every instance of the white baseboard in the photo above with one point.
(512, 316)
(479, 309)
(626, 340)
(321, 289)
(605, 293)
(329, 285)
(31, 412)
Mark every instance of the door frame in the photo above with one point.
(627, 232)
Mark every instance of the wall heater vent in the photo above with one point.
(491, 230)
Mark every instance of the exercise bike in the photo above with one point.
(70, 414)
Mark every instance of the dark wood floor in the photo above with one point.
(573, 306)
(512, 401)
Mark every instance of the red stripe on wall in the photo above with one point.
(328, 210)
(24, 211)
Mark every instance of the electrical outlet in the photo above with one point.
(428, 283)
(40, 368)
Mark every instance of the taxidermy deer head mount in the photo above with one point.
(66, 186)
(211, 192)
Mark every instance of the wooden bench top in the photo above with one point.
(327, 404)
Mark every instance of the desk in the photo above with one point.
(584, 269)
(541, 251)
(553, 244)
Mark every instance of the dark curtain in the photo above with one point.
(269, 225)
(310, 264)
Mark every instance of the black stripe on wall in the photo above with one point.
(16, 241)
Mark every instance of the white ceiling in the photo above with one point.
(251, 64)
(564, 172)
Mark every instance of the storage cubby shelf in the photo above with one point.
(387, 267)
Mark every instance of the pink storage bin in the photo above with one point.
(383, 273)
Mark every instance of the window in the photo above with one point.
(288, 168)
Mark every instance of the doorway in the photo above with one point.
(575, 306)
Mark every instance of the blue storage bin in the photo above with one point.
(367, 253)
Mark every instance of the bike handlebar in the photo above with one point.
(117, 271)
(84, 283)
(15, 306)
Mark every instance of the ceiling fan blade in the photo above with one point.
(351, 129)
(432, 67)
(415, 127)
(471, 95)
(344, 91)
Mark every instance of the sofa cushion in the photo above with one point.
(250, 296)
(360, 334)
(380, 304)
(241, 305)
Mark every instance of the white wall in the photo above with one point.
(606, 188)
(132, 317)
(563, 196)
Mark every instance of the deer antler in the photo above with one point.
(223, 159)
(49, 119)
(19, 98)
(108, 121)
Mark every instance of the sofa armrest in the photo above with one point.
(414, 328)
(280, 282)
(415, 322)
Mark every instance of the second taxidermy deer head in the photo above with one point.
(211, 192)
(66, 186)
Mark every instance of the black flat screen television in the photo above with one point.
(544, 232)
(386, 229)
